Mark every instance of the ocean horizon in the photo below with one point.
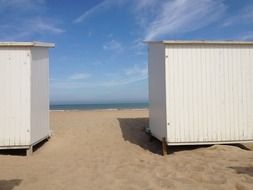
(99, 106)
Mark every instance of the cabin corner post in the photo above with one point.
(164, 146)
(29, 151)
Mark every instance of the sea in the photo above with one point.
(112, 106)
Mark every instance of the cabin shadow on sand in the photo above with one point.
(9, 184)
(133, 130)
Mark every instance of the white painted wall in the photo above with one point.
(39, 94)
(23, 94)
(157, 93)
(209, 92)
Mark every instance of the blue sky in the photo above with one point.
(99, 54)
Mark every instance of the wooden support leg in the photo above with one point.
(29, 151)
(164, 146)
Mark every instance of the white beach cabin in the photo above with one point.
(24, 102)
(201, 92)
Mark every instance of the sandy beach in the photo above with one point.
(108, 149)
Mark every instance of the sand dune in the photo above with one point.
(110, 150)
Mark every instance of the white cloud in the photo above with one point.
(113, 45)
(180, 16)
(79, 76)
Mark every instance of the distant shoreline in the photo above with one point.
(89, 107)
(81, 110)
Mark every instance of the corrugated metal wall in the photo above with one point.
(209, 93)
(14, 96)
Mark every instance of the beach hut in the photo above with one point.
(201, 92)
(24, 102)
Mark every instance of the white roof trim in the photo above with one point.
(201, 42)
(27, 44)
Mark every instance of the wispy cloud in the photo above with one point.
(103, 6)
(125, 77)
(246, 36)
(40, 25)
(137, 70)
(143, 4)
(131, 75)
(113, 45)
(79, 76)
(138, 47)
(93, 10)
(167, 17)
(44, 25)
(180, 16)
(144, 11)
(22, 5)
(28, 27)
(244, 16)
(24, 19)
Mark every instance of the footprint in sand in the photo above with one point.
(239, 186)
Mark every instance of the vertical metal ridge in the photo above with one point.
(210, 92)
